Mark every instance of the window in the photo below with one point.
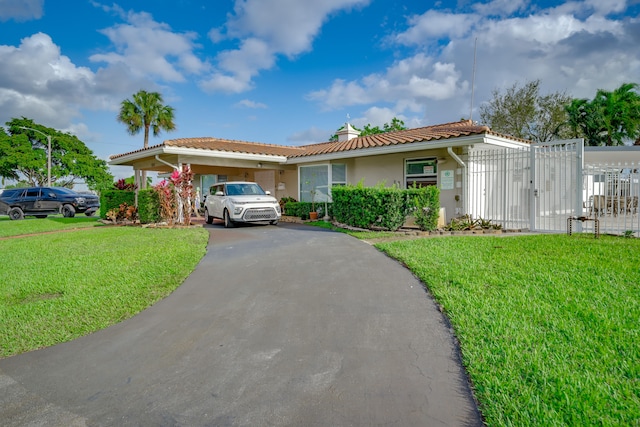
(421, 172)
(338, 174)
(206, 181)
(316, 181)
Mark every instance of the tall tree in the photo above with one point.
(23, 156)
(610, 118)
(146, 111)
(524, 113)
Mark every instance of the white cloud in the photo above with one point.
(149, 48)
(310, 136)
(575, 47)
(36, 81)
(411, 81)
(500, 7)
(22, 10)
(250, 104)
(435, 25)
(267, 29)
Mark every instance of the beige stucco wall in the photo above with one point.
(389, 169)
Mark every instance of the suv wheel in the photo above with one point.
(227, 220)
(208, 218)
(16, 213)
(68, 211)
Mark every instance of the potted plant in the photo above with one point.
(313, 214)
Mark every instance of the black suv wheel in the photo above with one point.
(16, 213)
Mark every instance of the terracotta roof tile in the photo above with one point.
(428, 133)
(233, 146)
(423, 134)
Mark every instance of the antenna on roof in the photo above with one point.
(473, 79)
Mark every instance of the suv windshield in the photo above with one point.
(244, 189)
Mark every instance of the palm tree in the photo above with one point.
(621, 112)
(146, 111)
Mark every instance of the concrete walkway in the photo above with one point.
(277, 326)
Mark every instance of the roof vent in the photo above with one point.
(347, 133)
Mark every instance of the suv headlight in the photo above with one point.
(80, 200)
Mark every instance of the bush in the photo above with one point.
(385, 207)
(148, 206)
(369, 207)
(112, 199)
(302, 209)
(425, 205)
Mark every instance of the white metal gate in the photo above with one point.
(498, 183)
(556, 184)
(535, 187)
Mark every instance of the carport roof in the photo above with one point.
(423, 134)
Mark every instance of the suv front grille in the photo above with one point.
(260, 214)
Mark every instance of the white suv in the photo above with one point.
(240, 202)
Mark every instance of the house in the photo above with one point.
(468, 162)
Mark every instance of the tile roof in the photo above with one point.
(423, 134)
(218, 144)
(428, 133)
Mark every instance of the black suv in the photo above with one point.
(43, 201)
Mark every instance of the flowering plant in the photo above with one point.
(175, 196)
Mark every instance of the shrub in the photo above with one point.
(112, 199)
(425, 204)
(123, 213)
(302, 209)
(175, 196)
(148, 206)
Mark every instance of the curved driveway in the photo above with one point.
(277, 326)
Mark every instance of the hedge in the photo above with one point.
(112, 199)
(385, 207)
(148, 203)
(302, 209)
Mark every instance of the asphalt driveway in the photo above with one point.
(277, 326)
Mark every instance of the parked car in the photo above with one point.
(240, 201)
(43, 201)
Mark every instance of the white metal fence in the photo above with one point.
(498, 186)
(539, 187)
(610, 194)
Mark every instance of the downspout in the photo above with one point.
(166, 163)
(464, 177)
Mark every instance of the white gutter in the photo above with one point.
(145, 154)
(166, 163)
(455, 157)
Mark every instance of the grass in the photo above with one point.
(548, 324)
(363, 235)
(57, 287)
(31, 225)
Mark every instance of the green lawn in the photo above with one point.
(31, 225)
(59, 286)
(549, 325)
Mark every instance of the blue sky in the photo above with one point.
(289, 71)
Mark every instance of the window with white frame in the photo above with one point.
(421, 172)
(207, 181)
(316, 181)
